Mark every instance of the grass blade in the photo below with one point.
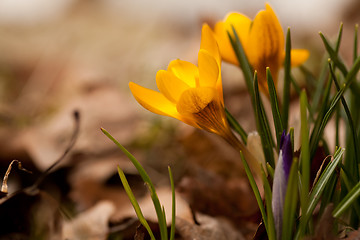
(255, 190)
(351, 166)
(135, 203)
(317, 192)
(244, 63)
(333, 55)
(263, 126)
(347, 201)
(349, 184)
(287, 80)
(236, 126)
(268, 202)
(147, 180)
(270, 170)
(173, 205)
(291, 201)
(305, 161)
(279, 127)
(337, 46)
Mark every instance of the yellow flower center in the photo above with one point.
(205, 108)
(194, 100)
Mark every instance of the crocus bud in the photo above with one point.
(281, 175)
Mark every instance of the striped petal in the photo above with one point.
(208, 42)
(208, 69)
(265, 45)
(266, 40)
(170, 86)
(241, 23)
(194, 100)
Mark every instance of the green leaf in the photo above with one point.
(243, 61)
(291, 201)
(347, 201)
(337, 47)
(236, 126)
(279, 128)
(287, 80)
(350, 184)
(135, 203)
(305, 152)
(323, 180)
(263, 126)
(147, 180)
(173, 205)
(321, 121)
(352, 166)
(329, 193)
(268, 202)
(255, 190)
(334, 56)
(317, 192)
(318, 129)
(270, 170)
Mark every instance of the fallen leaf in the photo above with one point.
(93, 224)
(208, 228)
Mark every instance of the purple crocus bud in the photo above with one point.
(281, 175)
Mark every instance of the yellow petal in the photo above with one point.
(208, 42)
(195, 100)
(202, 105)
(154, 101)
(208, 69)
(169, 85)
(185, 71)
(266, 40)
(241, 23)
(298, 56)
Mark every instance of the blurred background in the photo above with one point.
(64, 55)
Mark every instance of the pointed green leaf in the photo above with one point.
(173, 205)
(268, 202)
(263, 126)
(147, 180)
(287, 80)
(305, 161)
(135, 204)
(279, 127)
(236, 126)
(255, 190)
(291, 202)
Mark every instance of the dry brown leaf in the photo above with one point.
(92, 224)
(208, 228)
(213, 195)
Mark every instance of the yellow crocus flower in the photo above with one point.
(192, 94)
(262, 40)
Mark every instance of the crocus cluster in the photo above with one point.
(193, 94)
